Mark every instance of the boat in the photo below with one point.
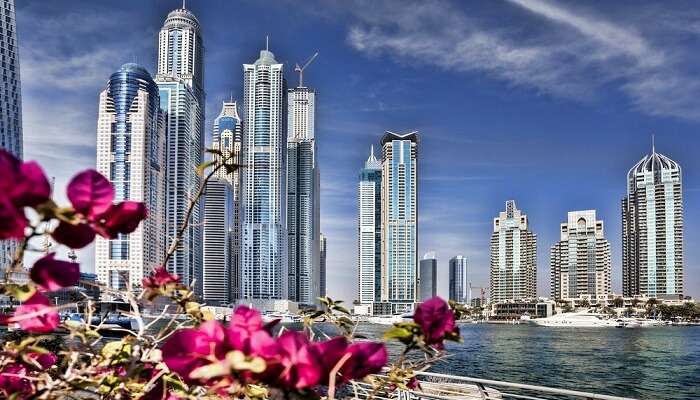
(282, 317)
(389, 319)
(576, 320)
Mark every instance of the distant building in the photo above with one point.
(10, 101)
(324, 255)
(369, 231)
(303, 197)
(428, 277)
(513, 256)
(580, 261)
(458, 279)
(513, 310)
(180, 80)
(131, 153)
(264, 181)
(218, 227)
(652, 228)
(400, 220)
(226, 137)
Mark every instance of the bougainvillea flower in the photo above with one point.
(367, 358)
(160, 277)
(188, 349)
(299, 367)
(436, 320)
(12, 221)
(23, 183)
(122, 217)
(51, 274)
(74, 236)
(247, 334)
(36, 315)
(90, 193)
(329, 353)
(14, 382)
(43, 360)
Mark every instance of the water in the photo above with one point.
(645, 363)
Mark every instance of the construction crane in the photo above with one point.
(300, 70)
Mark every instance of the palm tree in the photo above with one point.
(618, 302)
(584, 303)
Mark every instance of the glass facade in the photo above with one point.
(369, 228)
(458, 279)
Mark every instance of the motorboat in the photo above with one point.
(390, 319)
(576, 320)
(283, 317)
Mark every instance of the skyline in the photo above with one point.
(444, 154)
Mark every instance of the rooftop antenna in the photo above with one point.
(183, 5)
(653, 144)
(300, 70)
(267, 42)
(231, 94)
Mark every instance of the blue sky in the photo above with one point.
(546, 103)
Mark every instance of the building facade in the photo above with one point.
(324, 255)
(218, 246)
(369, 231)
(180, 76)
(513, 256)
(580, 262)
(303, 200)
(400, 220)
(459, 273)
(10, 100)
(427, 281)
(131, 153)
(264, 181)
(652, 228)
(227, 137)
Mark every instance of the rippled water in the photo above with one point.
(647, 363)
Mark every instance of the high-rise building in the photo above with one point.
(427, 277)
(303, 201)
(458, 279)
(369, 231)
(218, 228)
(180, 76)
(652, 228)
(10, 100)
(580, 261)
(131, 153)
(227, 138)
(324, 255)
(264, 181)
(400, 220)
(513, 256)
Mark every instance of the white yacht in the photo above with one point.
(390, 319)
(576, 320)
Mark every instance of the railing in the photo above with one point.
(450, 387)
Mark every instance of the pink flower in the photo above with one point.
(91, 195)
(247, 334)
(330, 352)
(436, 320)
(159, 278)
(23, 183)
(36, 315)
(14, 382)
(44, 360)
(12, 222)
(299, 367)
(51, 274)
(367, 358)
(188, 349)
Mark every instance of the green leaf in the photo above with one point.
(201, 167)
(20, 292)
(401, 334)
(231, 168)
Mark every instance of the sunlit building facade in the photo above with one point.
(369, 231)
(458, 279)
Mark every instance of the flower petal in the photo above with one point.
(124, 218)
(12, 221)
(367, 358)
(51, 274)
(90, 193)
(73, 236)
(36, 315)
(9, 171)
(13, 381)
(32, 188)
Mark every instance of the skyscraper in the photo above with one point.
(428, 277)
(131, 152)
(303, 201)
(227, 137)
(580, 261)
(180, 76)
(652, 228)
(264, 181)
(369, 231)
(458, 279)
(399, 220)
(324, 254)
(218, 228)
(513, 256)
(10, 100)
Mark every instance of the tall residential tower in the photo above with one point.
(369, 230)
(131, 153)
(513, 256)
(652, 228)
(458, 279)
(580, 261)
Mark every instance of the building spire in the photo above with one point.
(267, 42)
(183, 5)
(653, 144)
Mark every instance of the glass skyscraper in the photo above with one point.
(218, 228)
(513, 256)
(131, 153)
(399, 220)
(580, 261)
(652, 228)
(458, 279)
(180, 76)
(369, 230)
(264, 181)
(303, 201)
(428, 277)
